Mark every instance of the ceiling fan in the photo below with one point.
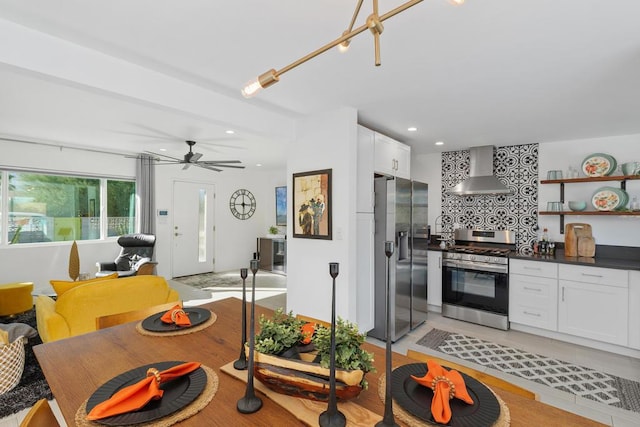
(193, 159)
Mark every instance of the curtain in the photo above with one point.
(145, 191)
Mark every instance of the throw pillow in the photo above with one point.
(62, 286)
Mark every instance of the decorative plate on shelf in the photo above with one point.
(609, 199)
(598, 164)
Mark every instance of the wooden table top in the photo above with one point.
(75, 367)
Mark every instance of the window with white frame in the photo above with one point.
(53, 207)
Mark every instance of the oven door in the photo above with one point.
(474, 285)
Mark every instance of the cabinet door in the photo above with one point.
(434, 278)
(364, 176)
(634, 309)
(593, 311)
(385, 155)
(365, 229)
(403, 161)
(533, 301)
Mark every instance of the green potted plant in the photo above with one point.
(292, 357)
(273, 230)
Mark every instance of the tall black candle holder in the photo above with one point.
(387, 419)
(332, 417)
(251, 403)
(241, 363)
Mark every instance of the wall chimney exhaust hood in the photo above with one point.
(481, 179)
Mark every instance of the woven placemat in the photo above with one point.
(191, 409)
(186, 331)
(504, 420)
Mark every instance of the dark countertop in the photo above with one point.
(605, 262)
(621, 258)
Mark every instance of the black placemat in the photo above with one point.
(416, 399)
(178, 393)
(197, 316)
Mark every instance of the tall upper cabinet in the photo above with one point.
(392, 157)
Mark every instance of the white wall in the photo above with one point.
(41, 262)
(235, 240)
(607, 230)
(325, 141)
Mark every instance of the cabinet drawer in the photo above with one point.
(533, 301)
(534, 316)
(534, 268)
(596, 275)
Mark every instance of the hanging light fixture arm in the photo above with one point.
(374, 24)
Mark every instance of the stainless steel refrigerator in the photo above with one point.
(401, 217)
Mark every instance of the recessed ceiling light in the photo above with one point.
(230, 132)
(163, 149)
(439, 143)
(412, 129)
(258, 164)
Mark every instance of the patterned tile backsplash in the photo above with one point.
(517, 167)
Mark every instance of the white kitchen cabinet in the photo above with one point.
(392, 157)
(533, 294)
(593, 303)
(634, 309)
(364, 173)
(434, 280)
(365, 229)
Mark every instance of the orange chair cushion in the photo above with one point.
(62, 286)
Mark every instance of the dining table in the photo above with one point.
(75, 367)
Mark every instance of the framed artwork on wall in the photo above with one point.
(281, 205)
(312, 204)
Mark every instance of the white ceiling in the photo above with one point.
(497, 72)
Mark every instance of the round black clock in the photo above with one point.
(242, 204)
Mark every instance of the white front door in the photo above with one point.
(193, 225)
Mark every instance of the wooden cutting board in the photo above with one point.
(586, 246)
(572, 232)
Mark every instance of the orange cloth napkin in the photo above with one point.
(137, 395)
(445, 385)
(176, 315)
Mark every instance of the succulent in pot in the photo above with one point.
(292, 357)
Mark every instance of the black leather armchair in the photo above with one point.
(134, 258)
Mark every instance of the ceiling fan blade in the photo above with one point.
(195, 157)
(207, 167)
(213, 162)
(220, 166)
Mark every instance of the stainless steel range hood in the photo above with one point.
(481, 179)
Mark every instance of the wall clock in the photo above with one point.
(242, 204)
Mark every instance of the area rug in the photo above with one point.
(232, 279)
(578, 380)
(32, 386)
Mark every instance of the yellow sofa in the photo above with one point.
(75, 311)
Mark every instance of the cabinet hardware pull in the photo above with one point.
(440, 262)
(531, 314)
(591, 275)
(532, 268)
(563, 294)
(533, 289)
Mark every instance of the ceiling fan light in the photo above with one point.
(456, 2)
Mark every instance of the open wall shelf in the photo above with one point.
(618, 178)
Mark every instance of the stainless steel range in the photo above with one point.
(475, 277)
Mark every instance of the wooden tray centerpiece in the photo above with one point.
(292, 357)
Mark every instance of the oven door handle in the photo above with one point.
(476, 266)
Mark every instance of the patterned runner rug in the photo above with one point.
(568, 377)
